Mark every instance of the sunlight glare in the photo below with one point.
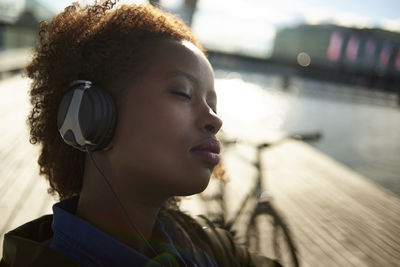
(250, 111)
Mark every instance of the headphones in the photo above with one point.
(86, 117)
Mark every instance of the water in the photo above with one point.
(360, 129)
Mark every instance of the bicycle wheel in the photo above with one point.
(268, 235)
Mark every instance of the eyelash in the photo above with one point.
(188, 97)
(183, 95)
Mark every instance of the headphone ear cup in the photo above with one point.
(86, 117)
(97, 118)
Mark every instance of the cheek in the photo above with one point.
(166, 123)
(153, 141)
(154, 134)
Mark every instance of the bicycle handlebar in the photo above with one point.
(308, 137)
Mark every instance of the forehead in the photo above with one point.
(172, 58)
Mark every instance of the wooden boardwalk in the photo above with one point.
(337, 216)
(22, 192)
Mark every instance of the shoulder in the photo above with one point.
(24, 246)
(223, 242)
(219, 242)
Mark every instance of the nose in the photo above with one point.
(211, 122)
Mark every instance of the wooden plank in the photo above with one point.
(22, 192)
(388, 215)
(316, 226)
(349, 208)
(344, 213)
(32, 204)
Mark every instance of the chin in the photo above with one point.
(197, 185)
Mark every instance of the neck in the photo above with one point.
(98, 206)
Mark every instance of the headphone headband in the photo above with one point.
(87, 84)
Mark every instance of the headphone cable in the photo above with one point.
(131, 224)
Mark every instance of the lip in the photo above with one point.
(207, 151)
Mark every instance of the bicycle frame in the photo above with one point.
(257, 190)
(262, 206)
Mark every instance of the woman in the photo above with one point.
(132, 95)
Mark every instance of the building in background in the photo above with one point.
(364, 54)
(19, 22)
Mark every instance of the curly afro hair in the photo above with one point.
(95, 42)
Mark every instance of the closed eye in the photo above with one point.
(182, 94)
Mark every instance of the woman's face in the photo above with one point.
(165, 137)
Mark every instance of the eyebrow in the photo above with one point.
(186, 75)
(193, 79)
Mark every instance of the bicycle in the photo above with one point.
(267, 231)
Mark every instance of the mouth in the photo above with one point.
(207, 151)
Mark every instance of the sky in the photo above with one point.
(250, 25)
(371, 12)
